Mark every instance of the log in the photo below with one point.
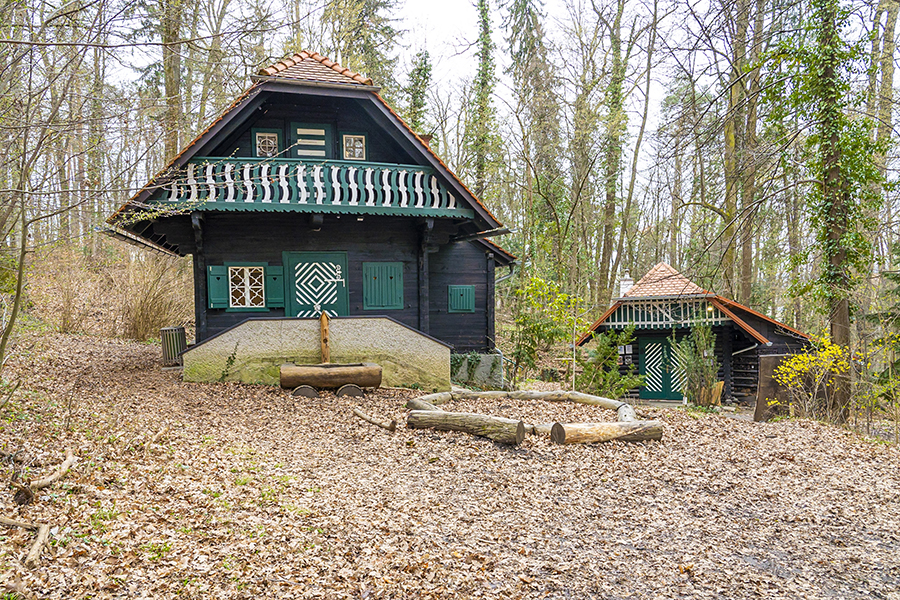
(585, 433)
(551, 396)
(306, 391)
(51, 479)
(330, 376)
(498, 429)
(438, 398)
(419, 404)
(34, 555)
(14, 523)
(541, 428)
(350, 389)
(389, 425)
(625, 413)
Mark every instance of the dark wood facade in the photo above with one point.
(312, 219)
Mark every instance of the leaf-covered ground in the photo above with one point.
(255, 494)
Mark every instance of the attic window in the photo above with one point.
(246, 287)
(266, 143)
(354, 147)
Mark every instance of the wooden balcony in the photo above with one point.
(258, 184)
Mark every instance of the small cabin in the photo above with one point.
(309, 194)
(664, 303)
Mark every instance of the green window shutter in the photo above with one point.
(382, 285)
(461, 299)
(311, 141)
(217, 286)
(275, 287)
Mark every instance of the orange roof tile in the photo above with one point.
(312, 66)
(663, 280)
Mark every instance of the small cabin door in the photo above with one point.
(663, 377)
(316, 282)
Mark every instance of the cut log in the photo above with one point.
(498, 429)
(419, 404)
(51, 479)
(389, 425)
(306, 391)
(349, 389)
(625, 413)
(14, 523)
(330, 376)
(585, 433)
(541, 428)
(551, 396)
(34, 555)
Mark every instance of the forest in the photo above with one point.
(749, 144)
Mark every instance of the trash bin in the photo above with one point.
(173, 344)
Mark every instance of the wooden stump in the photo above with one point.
(624, 431)
(498, 429)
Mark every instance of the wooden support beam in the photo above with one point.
(323, 333)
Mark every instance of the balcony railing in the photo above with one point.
(311, 186)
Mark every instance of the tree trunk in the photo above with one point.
(586, 433)
(498, 429)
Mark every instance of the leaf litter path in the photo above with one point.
(253, 493)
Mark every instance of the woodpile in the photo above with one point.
(425, 412)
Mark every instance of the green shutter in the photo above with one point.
(217, 286)
(311, 141)
(382, 285)
(275, 287)
(461, 299)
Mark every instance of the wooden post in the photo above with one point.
(424, 295)
(489, 307)
(201, 295)
(323, 327)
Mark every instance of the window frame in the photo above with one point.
(365, 138)
(279, 136)
(247, 265)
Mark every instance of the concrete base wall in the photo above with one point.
(253, 351)
(482, 370)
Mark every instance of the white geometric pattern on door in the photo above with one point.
(679, 376)
(653, 364)
(316, 285)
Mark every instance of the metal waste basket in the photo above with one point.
(173, 344)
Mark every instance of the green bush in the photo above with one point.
(696, 354)
(600, 372)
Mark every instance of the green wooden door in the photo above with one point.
(316, 282)
(663, 376)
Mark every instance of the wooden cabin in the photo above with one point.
(665, 303)
(310, 194)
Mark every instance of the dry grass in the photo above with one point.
(119, 291)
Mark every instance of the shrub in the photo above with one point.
(696, 355)
(600, 372)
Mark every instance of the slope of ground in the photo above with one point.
(254, 494)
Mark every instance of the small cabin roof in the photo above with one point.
(314, 68)
(663, 282)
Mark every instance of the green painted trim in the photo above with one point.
(289, 260)
(329, 139)
(255, 130)
(366, 269)
(408, 211)
(453, 291)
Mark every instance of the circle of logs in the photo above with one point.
(425, 412)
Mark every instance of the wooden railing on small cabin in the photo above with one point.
(311, 185)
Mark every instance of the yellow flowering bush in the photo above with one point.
(809, 376)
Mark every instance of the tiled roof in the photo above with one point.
(312, 66)
(663, 280)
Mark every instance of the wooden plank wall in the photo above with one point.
(262, 237)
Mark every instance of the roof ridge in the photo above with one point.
(298, 57)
